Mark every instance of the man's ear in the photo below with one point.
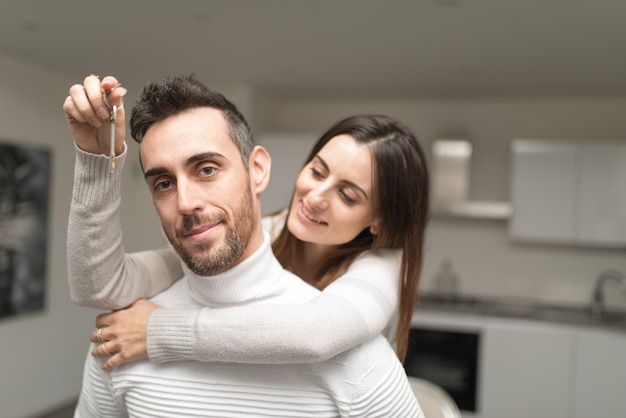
(260, 165)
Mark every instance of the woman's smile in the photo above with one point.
(306, 215)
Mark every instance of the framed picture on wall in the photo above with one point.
(24, 205)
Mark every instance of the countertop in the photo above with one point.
(521, 308)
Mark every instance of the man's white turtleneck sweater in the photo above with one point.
(365, 381)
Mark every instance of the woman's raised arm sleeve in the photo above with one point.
(100, 274)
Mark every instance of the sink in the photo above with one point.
(568, 314)
(582, 315)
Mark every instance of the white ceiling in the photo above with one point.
(333, 47)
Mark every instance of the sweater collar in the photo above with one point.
(248, 281)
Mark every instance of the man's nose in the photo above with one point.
(189, 197)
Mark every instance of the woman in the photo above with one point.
(369, 276)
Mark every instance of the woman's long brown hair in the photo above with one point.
(402, 186)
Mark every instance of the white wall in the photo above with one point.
(488, 263)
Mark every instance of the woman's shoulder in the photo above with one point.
(376, 264)
(381, 255)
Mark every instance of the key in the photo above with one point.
(113, 119)
(113, 110)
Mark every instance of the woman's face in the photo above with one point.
(333, 199)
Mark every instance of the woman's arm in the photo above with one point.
(357, 306)
(353, 309)
(100, 274)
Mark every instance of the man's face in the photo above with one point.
(200, 188)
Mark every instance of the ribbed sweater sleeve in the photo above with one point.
(352, 310)
(171, 328)
(100, 274)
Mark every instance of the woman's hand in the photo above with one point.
(122, 334)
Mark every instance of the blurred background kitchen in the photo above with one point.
(520, 104)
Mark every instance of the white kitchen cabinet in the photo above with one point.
(543, 190)
(600, 375)
(602, 217)
(526, 371)
(569, 192)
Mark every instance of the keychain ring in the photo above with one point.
(106, 93)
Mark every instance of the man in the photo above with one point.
(205, 177)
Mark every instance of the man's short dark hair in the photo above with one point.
(173, 95)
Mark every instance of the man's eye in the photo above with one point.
(162, 185)
(208, 170)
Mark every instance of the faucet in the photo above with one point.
(597, 302)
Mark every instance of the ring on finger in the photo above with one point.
(104, 349)
(99, 335)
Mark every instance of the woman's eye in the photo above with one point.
(347, 198)
(316, 173)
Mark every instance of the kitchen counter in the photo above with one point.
(521, 308)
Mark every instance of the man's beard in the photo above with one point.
(205, 258)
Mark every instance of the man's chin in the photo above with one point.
(208, 267)
(208, 260)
